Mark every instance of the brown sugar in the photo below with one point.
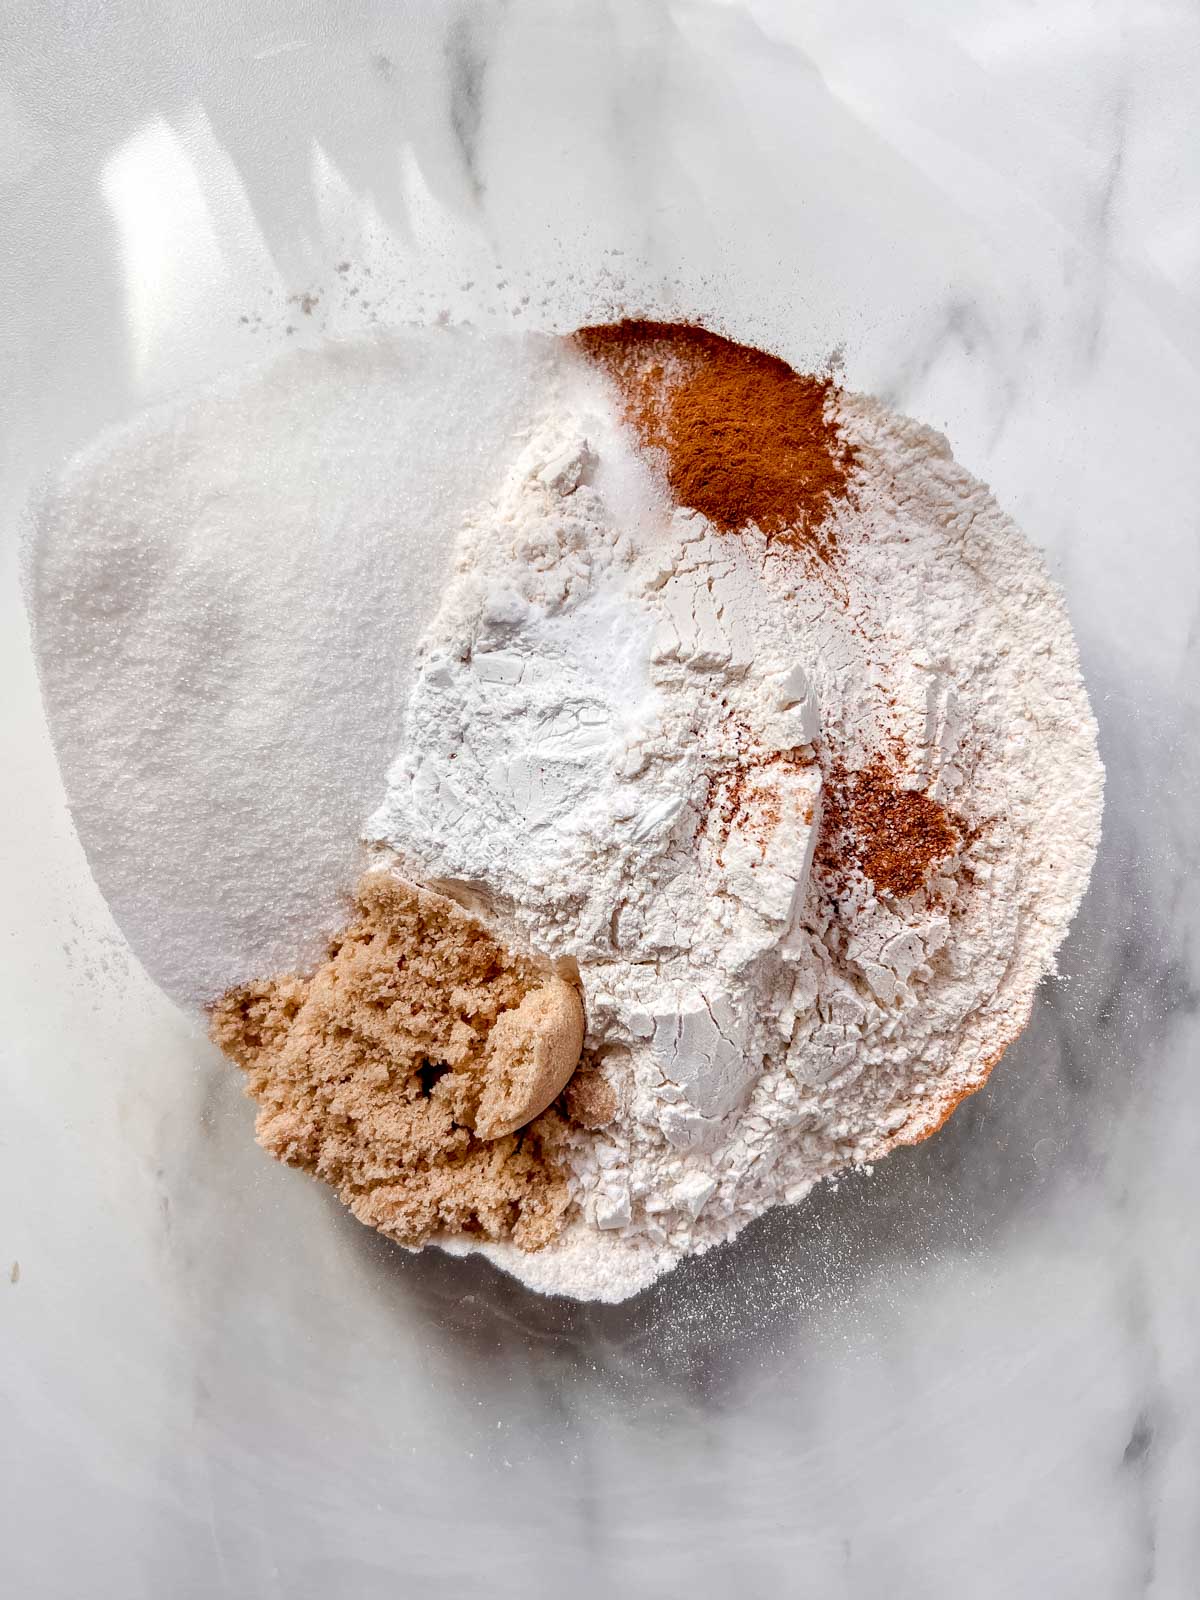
(401, 1069)
(894, 835)
(744, 439)
(590, 1099)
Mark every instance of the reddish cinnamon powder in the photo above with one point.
(894, 835)
(745, 791)
(745, 439)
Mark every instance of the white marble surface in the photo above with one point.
(976, 1374)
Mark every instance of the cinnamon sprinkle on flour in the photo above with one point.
(746, 440)
(894, 834)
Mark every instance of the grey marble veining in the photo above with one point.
(976, 1373)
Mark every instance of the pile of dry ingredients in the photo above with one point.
(414, 1070)
(746, 723)
(790, 765)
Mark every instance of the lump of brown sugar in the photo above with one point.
(590, 1099)
(413, 1071)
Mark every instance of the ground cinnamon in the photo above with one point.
(745, 440)
(894, 835)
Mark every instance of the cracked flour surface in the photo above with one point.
(811, 831)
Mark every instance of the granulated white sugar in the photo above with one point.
(225, 599)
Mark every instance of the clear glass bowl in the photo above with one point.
(973, 1372)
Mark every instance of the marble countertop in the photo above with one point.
(976, 1373)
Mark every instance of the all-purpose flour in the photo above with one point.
(620, 739)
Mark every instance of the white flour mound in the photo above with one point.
(616, 744)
